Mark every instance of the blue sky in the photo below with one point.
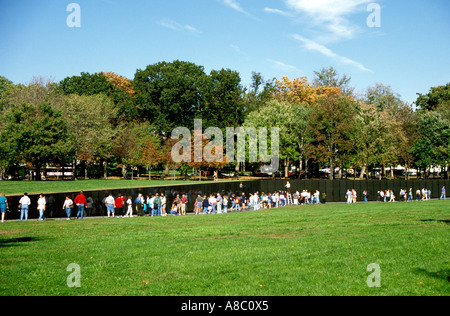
(409, 51)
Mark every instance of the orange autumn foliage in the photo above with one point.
(300, 91)
(120, 83)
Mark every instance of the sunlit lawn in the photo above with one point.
(304, 250)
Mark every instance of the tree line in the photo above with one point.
(108, 122)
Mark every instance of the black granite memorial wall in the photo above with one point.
(335, 191)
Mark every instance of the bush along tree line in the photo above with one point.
(93, 124)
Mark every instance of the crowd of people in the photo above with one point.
(216, 203)
(408, 195)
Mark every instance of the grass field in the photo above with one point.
(36, 187)
(304, 250)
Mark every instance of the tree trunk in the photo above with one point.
(105, 170)
(74, 169)
(331, 169)
(124, 171)
(363, 171)
(286, 167)
(167, 171)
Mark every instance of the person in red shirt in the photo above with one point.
(120, 203)
(184, 201)
(80, 201)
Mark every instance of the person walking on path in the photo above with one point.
(3, 205)
(80, 201)
(443, 193)
(68, 205)
(24, 204)
(41, 206)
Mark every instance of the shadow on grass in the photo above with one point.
(446, 221)
(12, 242)
(440, 275)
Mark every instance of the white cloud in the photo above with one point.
(173, 25)
(282, 66)
(191, 28)
(331, 15)
(170, 24)
(276, 11)
(317, 47)
(234, 5)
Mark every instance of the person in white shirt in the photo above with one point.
(130, 208)
(24, 204)
(212, 202)
(163, 205)
(68, 204)
(110, 205)
(41, 206)
(219, 203)
(317, 197)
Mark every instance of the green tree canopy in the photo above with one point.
(38, 133)
(169, 95)
(437, 97)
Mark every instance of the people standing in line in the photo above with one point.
(24, 204)
(68, 205)
(147, 207)
(129, 208)
(402, 195)
(418, 197)
(139, 204)
(177, 203)
(109, 202)
(443, 194)
(219, 201)
(410, 195)
(324, 198)
(119, 203)
(198, 206)
(80, 201)
(205, 204)
(225, 204)
(3, 205)
(392, 196)
(348, 195)
(41, 206)
(157, 204)
(212, 202)
(183, 204)
(387, 196)
(163, 205)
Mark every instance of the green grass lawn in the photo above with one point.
(36, 187)
(304, 250)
